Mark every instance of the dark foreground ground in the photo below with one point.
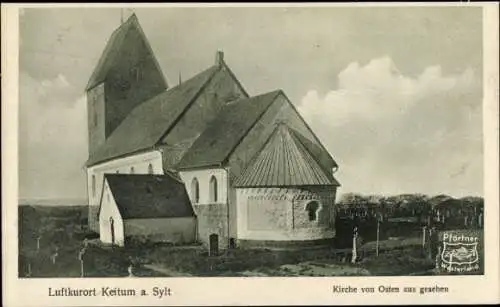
(59, 231)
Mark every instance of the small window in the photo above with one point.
(93, 185)
(213, 189)
(312, 210)
(195, 190)
(132, 170)
(150, 169)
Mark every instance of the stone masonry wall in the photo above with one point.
(212, 219)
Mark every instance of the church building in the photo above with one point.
(201, 161)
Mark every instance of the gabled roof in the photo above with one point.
(112, 49)
(149, 196)
(284, 161)
(226, 131)
(151, 120)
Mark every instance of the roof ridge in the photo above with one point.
(231, 114)
(224, 64)
(190, 79)
(242, 99)
(275, 94)
(148, 102)
(320, 144)
(136, 175)
(192, 100)
(169, 90)
(134, 20)
(107, 48)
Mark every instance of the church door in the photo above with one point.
(112, 226)
(214, 244)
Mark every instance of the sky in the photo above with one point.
(394, 94)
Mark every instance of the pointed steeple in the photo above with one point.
(113, 49)
(126, 75)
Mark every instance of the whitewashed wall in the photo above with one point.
(109, 209)
(203, 176)
(139, 162)
(174, 230)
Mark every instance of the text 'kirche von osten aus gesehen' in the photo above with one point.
(388, 289)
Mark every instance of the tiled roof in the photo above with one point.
(284, 161)
(149, 196)
(150, 121)
(113, 47)
(318, 152)
(226, 131)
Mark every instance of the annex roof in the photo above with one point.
(284, 161)
(149, 196)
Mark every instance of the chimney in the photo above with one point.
(219, 58)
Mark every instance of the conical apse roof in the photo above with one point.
(284, 161)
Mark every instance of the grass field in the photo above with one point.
(62, 231)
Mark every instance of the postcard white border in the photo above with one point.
(249, 290)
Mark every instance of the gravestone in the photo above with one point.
(354, 243)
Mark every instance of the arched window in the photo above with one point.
(93, 185)
(195, 190)
(213, 189)
(132, 170)
(312, 210)
(150, 169)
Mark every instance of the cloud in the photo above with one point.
(395, 133)
(379, 90)
(52, 138)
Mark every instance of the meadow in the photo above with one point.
(50, 239)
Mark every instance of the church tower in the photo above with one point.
(126, 75)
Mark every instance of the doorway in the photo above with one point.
(112, 226)
(232, 243)
(213, 244)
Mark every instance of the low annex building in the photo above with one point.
(145, 208)
(202, 160)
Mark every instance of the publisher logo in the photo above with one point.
(459, 253)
